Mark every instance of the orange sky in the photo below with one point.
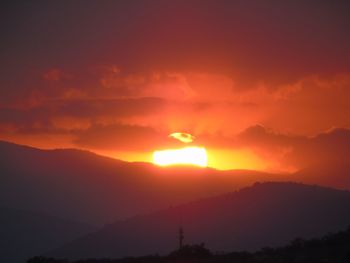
(249, 81)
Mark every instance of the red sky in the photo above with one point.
(260, 84)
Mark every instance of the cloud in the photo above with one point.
(54, 75)
(196, 101)
(93, 110)
(119, 137)
(182, 137)
(329, 147)
(153, 39)
(210, 106)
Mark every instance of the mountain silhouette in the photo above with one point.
(24, 233)
(266, 214)
(333, 247)
(86, 187)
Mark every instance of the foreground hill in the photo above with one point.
(330, 248)
(24, 234)
(94, 189)
(266, 214)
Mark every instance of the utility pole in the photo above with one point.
(181, 237)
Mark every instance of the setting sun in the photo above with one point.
(184, 156)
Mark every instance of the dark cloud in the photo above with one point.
(332, 147)
(270, 40)
(120, 137)
(92, 109)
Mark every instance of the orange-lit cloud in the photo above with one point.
(182, 137)
(130, 121)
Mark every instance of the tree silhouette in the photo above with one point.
(42, 259)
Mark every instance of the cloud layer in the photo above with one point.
(119, 77)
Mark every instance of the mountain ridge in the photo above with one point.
(95, 189)
(28, 233)
(265, 214)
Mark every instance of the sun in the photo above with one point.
(184, 156)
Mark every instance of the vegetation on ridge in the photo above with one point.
(333, 248)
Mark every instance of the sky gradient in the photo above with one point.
(261, 84)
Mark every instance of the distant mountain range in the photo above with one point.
(266, 214)
(81, 186)
(25, 234)
(86, 187)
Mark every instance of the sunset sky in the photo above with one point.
(260, 84)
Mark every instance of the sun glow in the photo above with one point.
(184, 156)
